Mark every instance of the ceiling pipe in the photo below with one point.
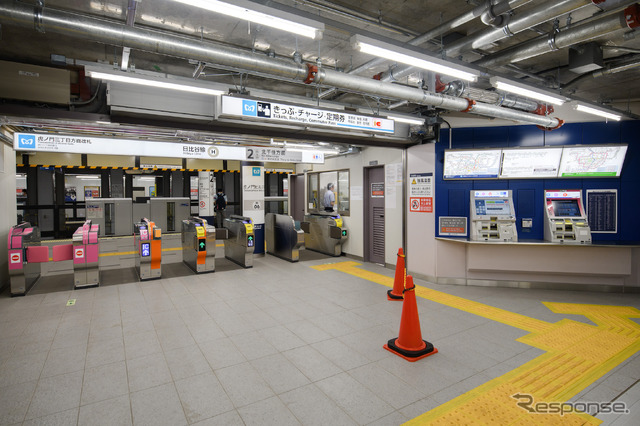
(115, 33)
(496, 14)
(538, 15)
(460, 88)
(431, 34)
(555, 41)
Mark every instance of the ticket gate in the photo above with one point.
(168, 213)
(147, 240)
(323, 232)
(239, 246)
(113, 215)
(23, 242)
(86, 251)
(199, 245)
(282, 237)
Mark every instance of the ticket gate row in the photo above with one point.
(147, 242)
(26, 253)
(240, 244)
(324, 232)
(282, 237)
(199, 245)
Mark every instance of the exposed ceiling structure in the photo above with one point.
(582, 50)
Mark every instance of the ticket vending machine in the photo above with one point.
(86, 250)
(147, 238)
(324, 232)
(566, 221)
(239, 246)
(493, 217)
(23, 274)
(282, 237)
(199, 245)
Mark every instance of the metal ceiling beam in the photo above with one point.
(115, 33)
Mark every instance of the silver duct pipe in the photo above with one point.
(460, 88)
(537, 15)
(109, 32)
(421, 97)
(542, 13)
(433, 33)
(495, 14)
(556, 41)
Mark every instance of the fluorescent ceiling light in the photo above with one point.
(597, 111)
(526, 91)
(407, 120)
(410, 57)
(262, 15)
(87, 177)
(155, 83)
(315, 150)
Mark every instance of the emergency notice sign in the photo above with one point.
(421, 192)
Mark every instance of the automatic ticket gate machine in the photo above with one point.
(239, 246)
(86, 251)
(324, 232)
(23, 242)
(282, 237)
(199, 245)
(493, 217)
(566, 221)
(147, 238)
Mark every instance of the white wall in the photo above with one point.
(355, 221)
(421, 244)
(8, 197)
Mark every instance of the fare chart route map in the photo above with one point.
(530, 163)
(592, 161)
(472, 164)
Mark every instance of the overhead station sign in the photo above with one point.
(93, 145)
(268, 111)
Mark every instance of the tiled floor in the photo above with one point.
(278, 344)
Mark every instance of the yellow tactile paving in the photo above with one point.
(577, 355)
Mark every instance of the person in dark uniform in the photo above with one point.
(220, 204)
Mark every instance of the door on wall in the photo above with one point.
(296, 197)
(374, 214)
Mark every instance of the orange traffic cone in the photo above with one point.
(400, 278)
(409, 345)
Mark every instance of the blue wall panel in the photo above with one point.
(525, 136)
(452, 197)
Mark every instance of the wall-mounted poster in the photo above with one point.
(91, 192)
(472, 164)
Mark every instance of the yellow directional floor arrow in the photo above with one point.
(577, 355)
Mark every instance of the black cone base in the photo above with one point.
(390, 295)
(428, 349)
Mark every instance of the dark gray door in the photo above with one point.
(297, 198)
(374, 214)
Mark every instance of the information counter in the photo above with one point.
(538, 264)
